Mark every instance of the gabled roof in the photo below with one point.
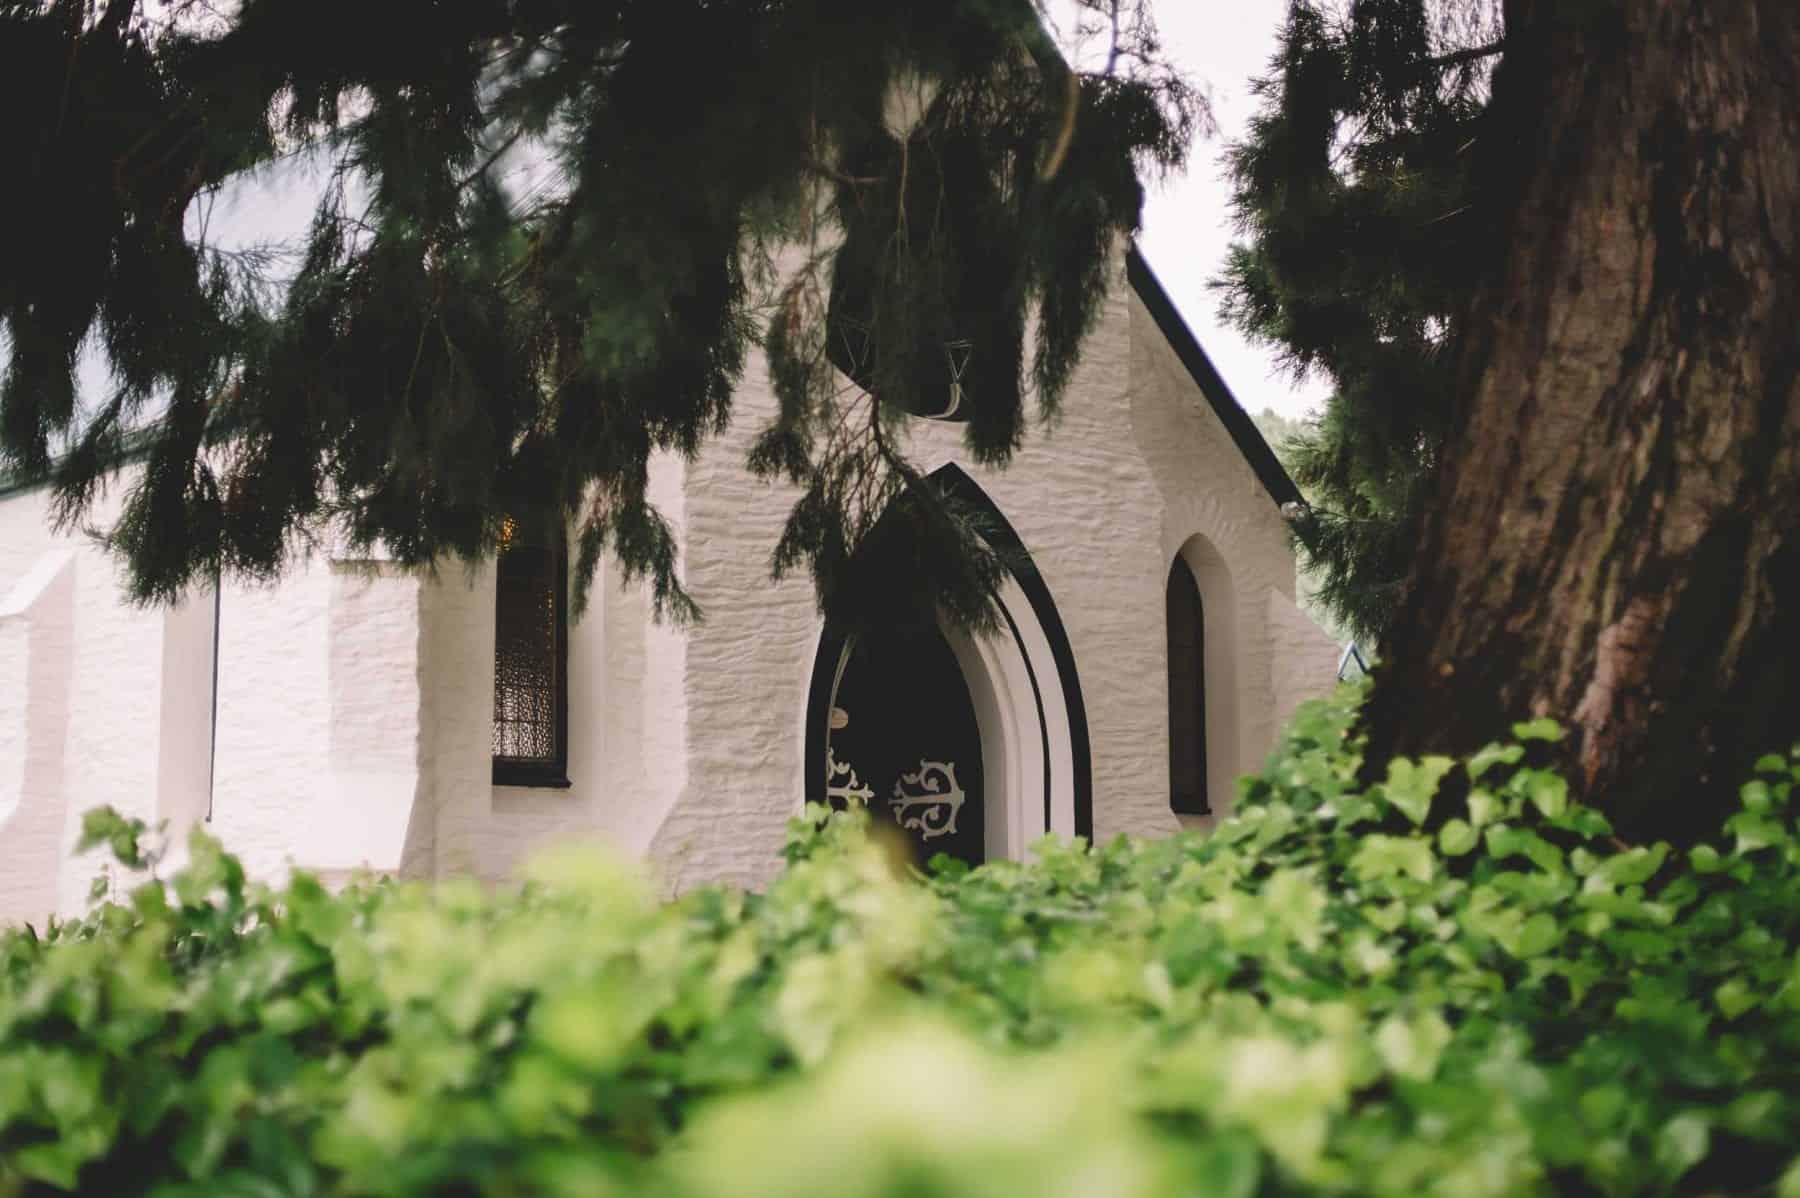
(1237, 422)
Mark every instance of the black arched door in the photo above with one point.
(903, 737)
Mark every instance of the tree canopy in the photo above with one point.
(448, 348)
(1354, 190)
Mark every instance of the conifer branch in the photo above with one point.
(1458, 57)
(117, 13)
(506, 317)
(506, 143)
(820, 167)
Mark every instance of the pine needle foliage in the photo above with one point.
(1354, 193)
(450, 347)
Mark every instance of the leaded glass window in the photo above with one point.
(530, 658)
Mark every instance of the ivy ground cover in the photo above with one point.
(1456, 983)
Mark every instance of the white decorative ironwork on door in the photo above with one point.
(927, 801)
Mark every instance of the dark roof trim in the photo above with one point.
(1237, 422)
(135, 449)
(11, 484)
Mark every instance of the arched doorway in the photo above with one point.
(902, 735)
(1030, 726)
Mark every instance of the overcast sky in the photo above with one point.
(1187, 225)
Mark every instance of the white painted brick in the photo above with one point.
(356, 701)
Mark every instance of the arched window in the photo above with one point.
(531, 652)
(1187, 693)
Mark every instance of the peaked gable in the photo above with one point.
(1237, 422)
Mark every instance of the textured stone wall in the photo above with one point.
(355, 699)
(91, 684)
(318, 710)
(108, 703)
(627, 723)
(1136, 466)
(37, 625)
(184, 749)
(1303, 655)
(25, 534)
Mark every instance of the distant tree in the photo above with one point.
(1283, 435)
(1354, 192)
(1278, 431)
(452, 349)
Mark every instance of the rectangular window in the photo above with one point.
(531, 686)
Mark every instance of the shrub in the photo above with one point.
(1336, 992)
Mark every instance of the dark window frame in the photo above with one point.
(1185, 602)
(550, 772)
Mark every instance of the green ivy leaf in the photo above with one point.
(1504, 840)
(1539, 935)
(1706, 859)
(1547, 792)
(1585, 822)
(1603, 1107)
(1228, 1166)
(1756, 796)
(1734, 998)
(122, 836)
(57, 1163)
(1411, 1048)
(1410, 786)
(1457, 838)
(1755, 833)
(1683, 1143)
(1771, 763)
(1484, 807)
(1542, 728)
(1379, 857)
(1635, 866)
(1789, 1185)
(1489, 756)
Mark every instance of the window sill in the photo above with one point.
(527, 780)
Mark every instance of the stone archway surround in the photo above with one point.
(1027, 698)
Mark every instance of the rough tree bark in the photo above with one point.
(1615, 541)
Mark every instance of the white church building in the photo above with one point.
(454, 722)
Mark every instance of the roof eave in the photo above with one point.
(1244, 433)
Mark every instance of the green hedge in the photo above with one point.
(1337, 992)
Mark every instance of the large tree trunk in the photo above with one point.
(1615, 540)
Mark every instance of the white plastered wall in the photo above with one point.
(110, 703)
(318, 710)
(627, 721)
(82, 724)
(1137, 467)
(355, 699)
(36, 640)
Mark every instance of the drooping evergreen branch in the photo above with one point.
(453, 349)
(1468, 54)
